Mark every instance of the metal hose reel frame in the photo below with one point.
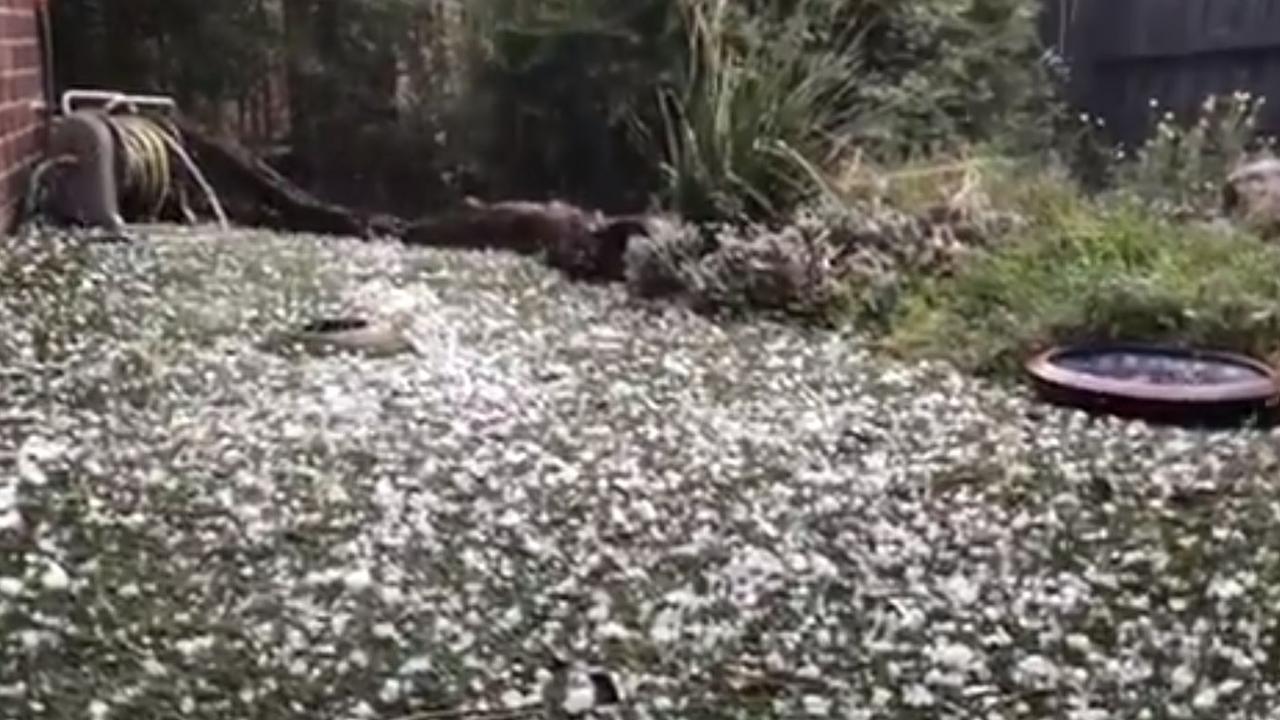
(140, 148)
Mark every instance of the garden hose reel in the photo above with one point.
(114, 156)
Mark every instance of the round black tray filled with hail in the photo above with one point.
(1158, 383)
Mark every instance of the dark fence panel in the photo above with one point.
(1125, 53)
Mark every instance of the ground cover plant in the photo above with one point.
(736, 520)
(1148, 258)
(780, 472)
(1087, 273)
(982, 259)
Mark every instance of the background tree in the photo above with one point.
(404, 105)
(201, 53)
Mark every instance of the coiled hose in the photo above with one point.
(147, 147)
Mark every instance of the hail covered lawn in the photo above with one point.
(752, 520)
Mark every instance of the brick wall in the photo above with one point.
(20, 86)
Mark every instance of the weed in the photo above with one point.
(1180, 170)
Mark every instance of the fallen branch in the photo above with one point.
(255, 194)
(584, 245)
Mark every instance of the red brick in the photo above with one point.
(8, 88)
(19, 56)
(24, 141)
(21, 84)
(20, 25)
(11, 85)
(21, 129)
(11, 184)
(13, 116)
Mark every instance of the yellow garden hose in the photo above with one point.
(145, 174)
(147, 146)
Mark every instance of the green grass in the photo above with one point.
(1096, 271)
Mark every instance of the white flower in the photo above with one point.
(98, 710)
(54, 578)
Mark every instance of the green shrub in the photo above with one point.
(201, 52)
(552, 91)
(722, 109)
(833, 262)
(726, 109)
(738, 270)
(1093, 272)
(736, 109)
(939, 73)
(780, 95)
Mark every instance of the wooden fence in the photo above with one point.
(1123, 54)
